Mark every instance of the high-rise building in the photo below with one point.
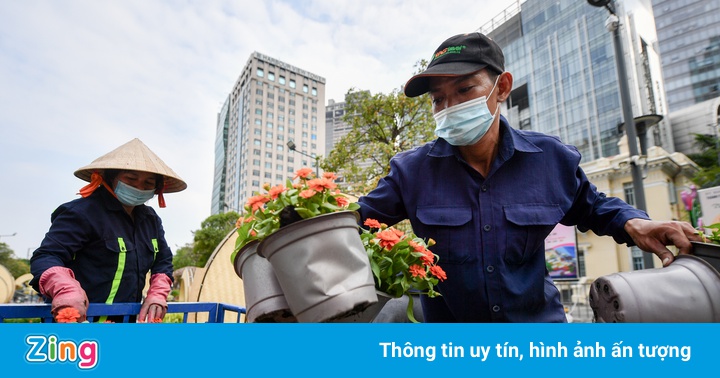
(271, 103)
(689, 38)
(562, 59)
(335, 126)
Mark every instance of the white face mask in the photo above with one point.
(466, 123)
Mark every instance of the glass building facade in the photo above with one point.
(562, 59)
(271, 103)
(689, 38)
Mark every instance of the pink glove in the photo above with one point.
(59, 284)
(155, 304)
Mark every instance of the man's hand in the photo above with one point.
(654, 236)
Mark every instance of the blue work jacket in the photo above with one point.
(109, 253)
(490, 231)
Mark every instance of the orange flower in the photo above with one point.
(256, 202)
(388, 238)
(416, 270)
(275, 191)
(342, 201)
(427, 258)
(438, 272)
(307, 193)
(321, 184)
(303, 173)
(68, 315)
(372, 223)
(329, 176)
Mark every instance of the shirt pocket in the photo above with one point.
(527, 227)
(447, 225)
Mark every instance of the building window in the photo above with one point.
(256, 152)
(271, 76)
(268, 175)
(314, 91)
(638, 262)
(629, 193)
(260, 72)
(258, 121)
(581, 262)
(268, 155)
(281, 80)
(257, 142)
(256, 162)
(292, 83)
(305, 88)
(256, 172)
(256, 183)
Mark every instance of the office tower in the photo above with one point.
(689, 38)
(565, 76)
(271, 103)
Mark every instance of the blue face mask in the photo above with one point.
(466, 123)
(130, 196)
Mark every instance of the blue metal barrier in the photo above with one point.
(215, 311)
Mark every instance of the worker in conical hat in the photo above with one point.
(100, 247)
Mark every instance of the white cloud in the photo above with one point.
(80, 78)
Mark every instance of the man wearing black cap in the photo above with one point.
(489, 195)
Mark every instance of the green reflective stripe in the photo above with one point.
(118, 272)
(155, 247)
(118, 275)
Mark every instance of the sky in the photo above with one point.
(79, 78)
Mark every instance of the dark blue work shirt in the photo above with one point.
(490, 231)
(100, 242)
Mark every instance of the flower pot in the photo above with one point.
(264, 299)
(322, 267)
(709, 252)
(688, 290)
(367, 315)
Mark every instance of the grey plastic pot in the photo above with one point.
(367, 315)
(686, 291)
(264, 298)
(322, 267)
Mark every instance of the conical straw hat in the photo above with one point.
(134, 155)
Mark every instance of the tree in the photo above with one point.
(213, 230)
(707, 159)
(184, 256)
(17, 267)
(382, 126)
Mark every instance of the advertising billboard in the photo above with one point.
(561, 253)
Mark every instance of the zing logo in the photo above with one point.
(449, 50)
(50, 349)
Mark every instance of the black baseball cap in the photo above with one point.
(460, 55)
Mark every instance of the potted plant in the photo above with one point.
(401, 262)
(308, 232)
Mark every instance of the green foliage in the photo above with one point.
(401, 262)
(17, 267)
(382, 126)
(707, 159)
(184, 256)
(213, 230)
(713, 236)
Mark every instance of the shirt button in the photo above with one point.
(496, 308)
(487, 227)
(483, 188)
(490, 268)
